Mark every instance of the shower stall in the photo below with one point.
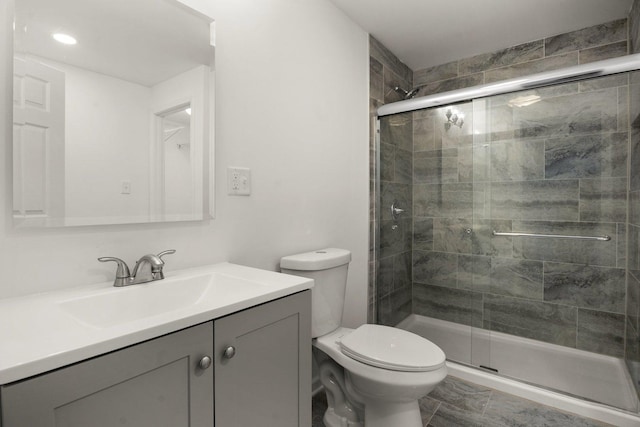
(507, 227)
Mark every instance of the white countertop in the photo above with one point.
(46, 331)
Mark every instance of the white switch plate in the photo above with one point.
(126, 187)
(238, 181)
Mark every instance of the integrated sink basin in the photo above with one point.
(114, 306)
(42, 332)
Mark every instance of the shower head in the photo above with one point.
(405, 93)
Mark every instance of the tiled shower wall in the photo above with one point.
(632, 354)
(453, 256)
(390, 268)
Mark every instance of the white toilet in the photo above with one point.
(373, 375)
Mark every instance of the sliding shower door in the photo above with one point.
(502, 233)
(550, 172)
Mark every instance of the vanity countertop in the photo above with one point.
(46, 331)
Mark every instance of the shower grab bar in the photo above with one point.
(556, 236)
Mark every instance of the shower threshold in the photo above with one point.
(597, 380)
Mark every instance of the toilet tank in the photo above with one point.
(328, 269)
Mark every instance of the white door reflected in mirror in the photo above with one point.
(117, 127)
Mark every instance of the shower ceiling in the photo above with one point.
(424, 33)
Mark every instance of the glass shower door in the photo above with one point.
(549, 236)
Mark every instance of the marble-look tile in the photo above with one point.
(597, 83)
(485, 243)
(403, 167)
(598, 288)
(570, 115)
(434, 74)
(505, 410)
(621, 245)
(632, 353)
(388, 59)
(500, 58)
(543, 93)
(402, 271)
(531, 67)
(466, 163)
(375, 79)
(435, 268)
(452, 84)
(603, 199)
(633, 249)
(452, 235)
(455, 305)
(634, 181)
(541, 321)
(550, 200)
(612, 50)
(634, 207)
(586, 156)
(395, 240)
(596, 35)
(517, 160)
(384, 278)
(447, 200)
(397, 130)
(634, 28)
(395, 307)
(601, 332)
(517, 278)
(623, 109)
(423, 134)
(449, 416)
(423, 233)
(474, 272)
(428, 407)
(599, 253)
(434, 170)
(387, 162)
(633, 301)
(462, 394)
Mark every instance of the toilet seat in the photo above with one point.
(392, 348)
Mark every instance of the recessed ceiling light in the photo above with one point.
(64, 38)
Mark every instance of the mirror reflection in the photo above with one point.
(112, 112)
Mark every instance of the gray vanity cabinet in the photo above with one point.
(152, 384)
(263, 365)
(165, 382)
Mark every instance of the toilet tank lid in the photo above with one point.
(321, 259)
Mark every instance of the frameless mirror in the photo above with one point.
(112, 112)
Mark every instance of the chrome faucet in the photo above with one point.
(147, 269)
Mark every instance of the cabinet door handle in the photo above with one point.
(205, 362)
(229, 352)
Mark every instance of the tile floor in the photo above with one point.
(457, 403)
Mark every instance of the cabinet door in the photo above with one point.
(153, 384)
(267, 382)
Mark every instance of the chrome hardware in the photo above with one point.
(467, 231)
(229, 352)
(204, 363)
(604, 238)
(147, 269)
(395, 211)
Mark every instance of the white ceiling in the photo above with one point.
(141, 41)
(424, 33)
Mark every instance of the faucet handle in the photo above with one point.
(167, 252)
(123, 269)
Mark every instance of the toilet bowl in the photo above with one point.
(374, 374)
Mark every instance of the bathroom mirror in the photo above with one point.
(112, 112)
